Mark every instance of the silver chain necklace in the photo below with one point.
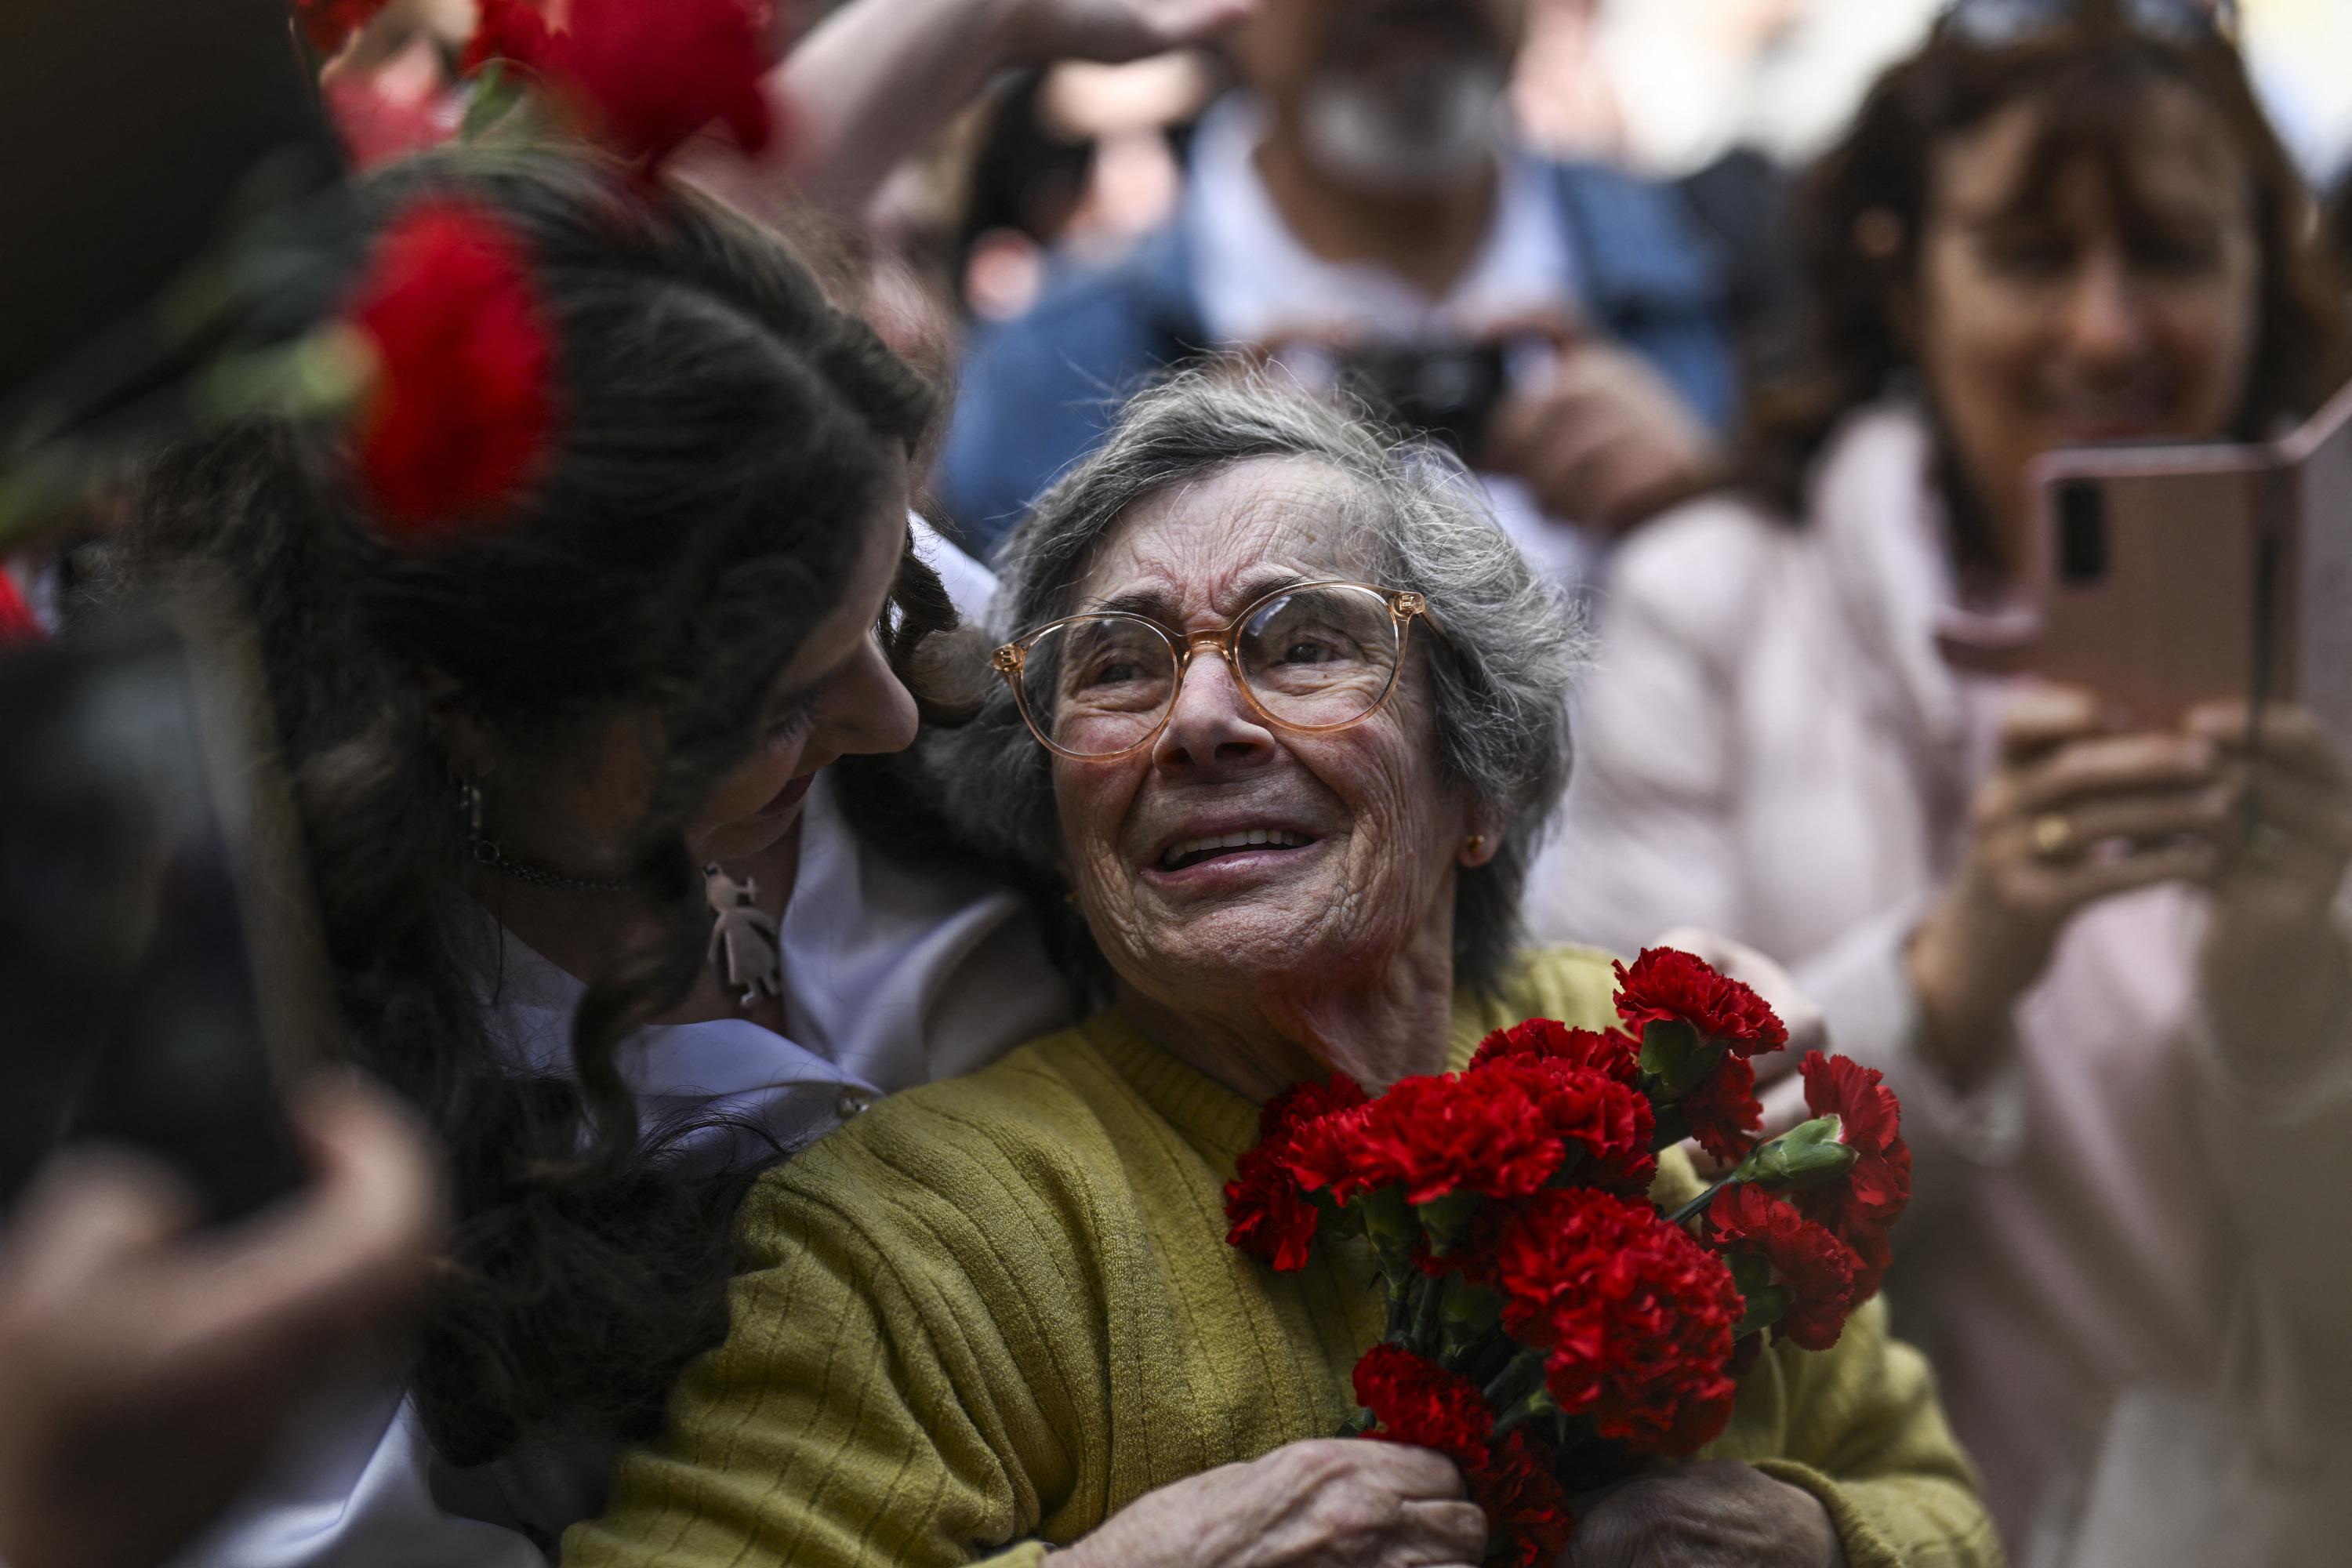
(489, 852)
(744, 942)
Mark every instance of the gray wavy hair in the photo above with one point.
(1413, 518)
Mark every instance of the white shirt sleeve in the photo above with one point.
(352, 1489)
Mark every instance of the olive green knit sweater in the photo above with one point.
(989, 1312)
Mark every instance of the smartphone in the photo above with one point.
(158, 970)
(2166, 576)
(1447, 392)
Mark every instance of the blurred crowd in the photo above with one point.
(1749, 320)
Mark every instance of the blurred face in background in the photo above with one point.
(1390, 96)
(2078, 285)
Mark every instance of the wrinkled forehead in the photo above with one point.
(1202, 550)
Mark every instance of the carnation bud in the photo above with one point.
(1811, 1154)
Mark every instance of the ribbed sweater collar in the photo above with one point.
(1217, 1123)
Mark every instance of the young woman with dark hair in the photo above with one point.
(517, 746)
(2056, 224)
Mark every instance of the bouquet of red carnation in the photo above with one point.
(1550, 1328)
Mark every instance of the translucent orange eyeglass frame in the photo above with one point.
(1405, 606)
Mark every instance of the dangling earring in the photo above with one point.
(746, 945)
(469, 810)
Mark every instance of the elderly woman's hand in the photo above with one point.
(2276, 971)
(1713, 1512)
(1325, 1504)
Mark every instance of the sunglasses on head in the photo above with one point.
(1994, 24)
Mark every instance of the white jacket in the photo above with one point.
(1771, 746)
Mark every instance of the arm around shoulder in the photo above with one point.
(866, 1407)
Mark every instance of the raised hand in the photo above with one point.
(2277, 977)
(2072, 814)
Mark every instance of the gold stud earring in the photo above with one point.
(1477, 847)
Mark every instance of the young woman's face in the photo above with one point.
(2119, 301)
(837, 698)
(573, 807)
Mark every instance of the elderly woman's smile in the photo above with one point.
(1227, 845)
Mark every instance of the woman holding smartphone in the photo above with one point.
(2057, 224)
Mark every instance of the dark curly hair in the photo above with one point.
(727, 440)
(2099, 75)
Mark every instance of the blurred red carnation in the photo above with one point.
(329, 23)
(650, 74)
(17, 621)
(461, 412)
(510, 30)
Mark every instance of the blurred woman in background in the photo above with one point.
(2052, 227)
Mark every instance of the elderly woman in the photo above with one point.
(1284, 715)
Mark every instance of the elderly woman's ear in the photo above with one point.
(1484, 842)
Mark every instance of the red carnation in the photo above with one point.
(461, 410)
(17, 621)
(1636, 1316)
(1723, 1112)
(1270, 1217)
(1665, 984)
(1434, 1137)
(1525, 1502)
(1419, 1401)
(1860, 1209)
(1610, 1123)
(650, 73)
(328, 24)
(1816, 1267)
(1615, 1053)
(509, 31)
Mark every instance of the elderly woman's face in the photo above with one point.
(1361, 835)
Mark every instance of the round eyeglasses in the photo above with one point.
(1312, 658)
